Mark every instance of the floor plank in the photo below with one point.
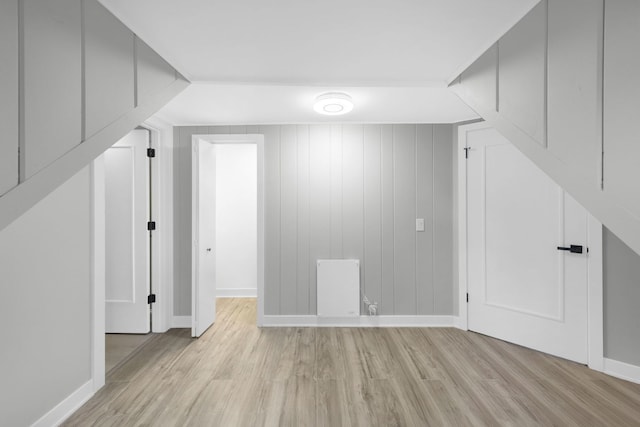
(239, 375)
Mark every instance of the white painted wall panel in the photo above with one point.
(303, 280)
(621, 173)
(153, 72)
(45, 271)
(272, 232)
(353, 193)
(574, 88)
(9, 95)
(480, 79)
(388, 222)
(109, 68)
(52, 82)
(522, 73)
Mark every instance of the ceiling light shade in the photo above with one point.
(333, 104)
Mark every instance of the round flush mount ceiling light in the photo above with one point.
(333, 104)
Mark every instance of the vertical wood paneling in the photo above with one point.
(272, 219)
(320, 203)
(404, 185)
(424, 209)
(154, 73)
(9, 95)
(52, 96)
(288, 219)
(443, 220)
(388, 176)
(353, 194)
(574, 90)
(304, 197)
(336, 191)
(388, 245)
(238, 130)
(372, 268)
(109, 70)
(621, 107)
(522, 73)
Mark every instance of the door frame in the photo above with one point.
(258, 140)
(595, 314)
(160, 321)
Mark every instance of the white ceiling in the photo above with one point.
(290, 48)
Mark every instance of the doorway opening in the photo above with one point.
(227, 223)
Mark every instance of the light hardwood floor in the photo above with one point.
(239, 375)
(119, 347)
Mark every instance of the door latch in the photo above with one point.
(574, 249)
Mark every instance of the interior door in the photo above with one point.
(127, 238)
(203, 256)
(522, 287)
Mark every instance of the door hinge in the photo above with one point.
(466, 152)
(467, 297)
(151, 152)
(151, 225)
(151, 298)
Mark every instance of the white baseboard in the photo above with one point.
(181, 322)
(359, 321)
(68, 406)
(622, 370)
(237, 293)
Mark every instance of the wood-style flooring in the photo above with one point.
(239, 375)
(119, 347)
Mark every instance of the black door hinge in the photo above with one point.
(467, 297)
(151, 152)
(151, 225)
(151, 298)
(466, 152)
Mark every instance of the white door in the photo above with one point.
(203, 307)
(522, 287)
(127, 238)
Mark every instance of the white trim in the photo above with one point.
(595, 298)
(181, 322)
(595, 315)
(67, 407)
(622, 370)
(98, 273)
(237, 293)
(359, 321)
(258, 140)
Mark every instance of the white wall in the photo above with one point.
(236, 219)
(45, 303)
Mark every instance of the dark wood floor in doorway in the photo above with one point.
(239, 375)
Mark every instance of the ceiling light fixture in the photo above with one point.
(333, 104)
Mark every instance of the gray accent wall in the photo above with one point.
(45, 302)
(342, 191)
(621, 300)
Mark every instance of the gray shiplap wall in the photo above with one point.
(342, 191)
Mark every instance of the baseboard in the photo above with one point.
(67, 407)
(181, 322)
(622, 370)
(237, 293)
(359, 321)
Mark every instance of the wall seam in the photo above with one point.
(83, 74)
(433, 216)
(21, 108)
(415, 234)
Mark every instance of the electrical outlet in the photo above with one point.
(419, 224)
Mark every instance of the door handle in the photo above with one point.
(574, 249)
(208, 249)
